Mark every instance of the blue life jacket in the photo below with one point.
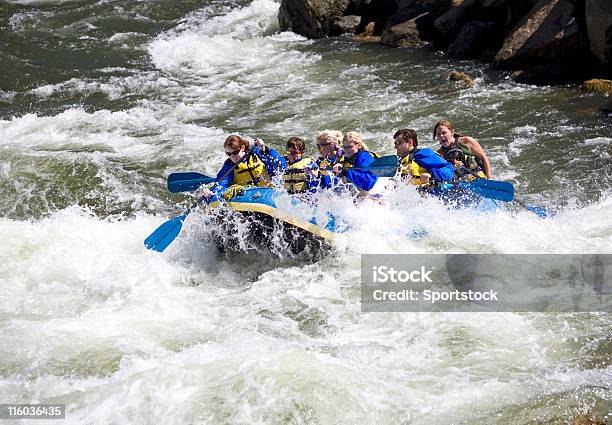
(439, 168)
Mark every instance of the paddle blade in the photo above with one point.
(541, 212)
(537, 210)
(165, 234)
(187, 181)
(492, 189)
(385, 166)
(388, 171)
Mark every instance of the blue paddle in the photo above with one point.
(492, 189)
(536, 209)
(385, 166)
(187, 181)
(165, 234)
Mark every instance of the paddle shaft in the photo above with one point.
(377, 166)
(187, 181)
(165, 234)
(537, 210)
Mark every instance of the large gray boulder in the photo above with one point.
(550, 32)
(413, 22)
(506, 13)
(452, 21)
(598, 14)
(310, 18)
(474, 40)
(554, 73)
(345, 24)
(405, 34)
(410, 9)
(373, 10)
(320, 18)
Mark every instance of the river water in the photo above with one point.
(100, 100)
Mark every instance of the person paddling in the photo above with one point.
(328, 143)
(253, 167)
(418, 165)
(351, 167)
(464, 152)
(301, 173)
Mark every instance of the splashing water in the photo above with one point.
(101, 101)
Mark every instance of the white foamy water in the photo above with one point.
(90, 318)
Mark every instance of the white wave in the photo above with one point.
(389, 228)
(597, 141)
(208, 46)
(114, 88)
(518, 143)
(248, 22)
(7, 96)
(179, 335)
(117, 131)
(42, 2)
(26, 21)
(128, 39)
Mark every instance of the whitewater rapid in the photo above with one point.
(120, 334)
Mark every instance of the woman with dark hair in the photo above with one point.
(464, 152)
(251, 167)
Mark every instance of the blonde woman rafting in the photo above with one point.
(351, 167)
(328, 143)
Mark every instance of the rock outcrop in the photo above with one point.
(311, 18)
(597, 86)
(542, 41)
(548, 33)
(405, 34)
(475, 40)
(461, 77)
(598, 17)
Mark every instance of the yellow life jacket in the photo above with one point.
(471, 177)
(325, 165)
(410, 170)
(252, 172)
(295, 176)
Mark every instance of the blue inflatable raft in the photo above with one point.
(274, 220)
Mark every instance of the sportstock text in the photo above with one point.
(384, 274)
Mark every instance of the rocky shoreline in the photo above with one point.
(542, 42)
